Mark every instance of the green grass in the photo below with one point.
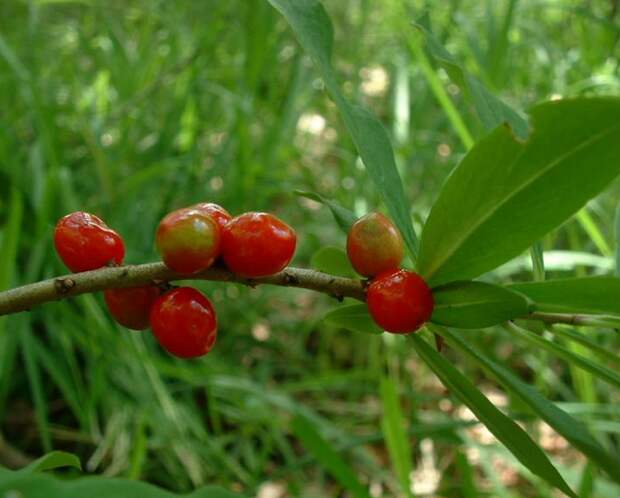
(132, 109)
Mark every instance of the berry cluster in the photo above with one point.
(188, 240)
(251, 245)
(398, 300)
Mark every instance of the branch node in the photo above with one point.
(290, 279)
(64, 285)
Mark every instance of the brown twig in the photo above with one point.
(26, 297)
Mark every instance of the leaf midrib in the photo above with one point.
(543, 171)
(473, 303)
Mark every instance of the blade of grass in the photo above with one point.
(139, 449)
(591, 228)
(34, 378)
(8, 264)
(392, 424)
(538, 261)
(467, 475)
(327, 456)
(414, 42)
(617, 234)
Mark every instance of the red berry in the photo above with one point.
(184, 322)
(188, 240)
(399, 301)
(374, 245)
(257, 244)
(84, 242)
(131, 306)
(217, 212)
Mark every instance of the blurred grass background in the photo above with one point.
(130, 109)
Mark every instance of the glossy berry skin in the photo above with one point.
(399, 301)
(184, 322)
(217, 212)
(374, 245)
(131, 306)
(188, 240)
(84, 242)
(257, 244)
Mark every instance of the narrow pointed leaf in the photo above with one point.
(343, 216)
(53, 460)
(603, 373)
(314, 31)
(333, 260)
(43, 485)
(574, 295)
(605, 354)
(504, 429)
(353, 317)
(506, 194)
(473, 305)
(490, 109)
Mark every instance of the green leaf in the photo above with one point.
(491, 110)
(9, 243)
(538, 260)
(27, 341)
(467, 476)
(574, 295)
(334, 261)
(474, 305)
(353, 317)
(52, 461)
(589, 226)
(505, 430)
(603, 373)
(392, 424)
(603, 353)
(618, 240)
(36, 485)
(314, 31)
(506, 194)
(327, 456)
(573, 430)
(343, 216)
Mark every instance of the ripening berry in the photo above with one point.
(131, 306)
(184, 322)
(188, 240)
(374, 245)
(84, 242)
(399, 301)
(217, 212)
(257, 244)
